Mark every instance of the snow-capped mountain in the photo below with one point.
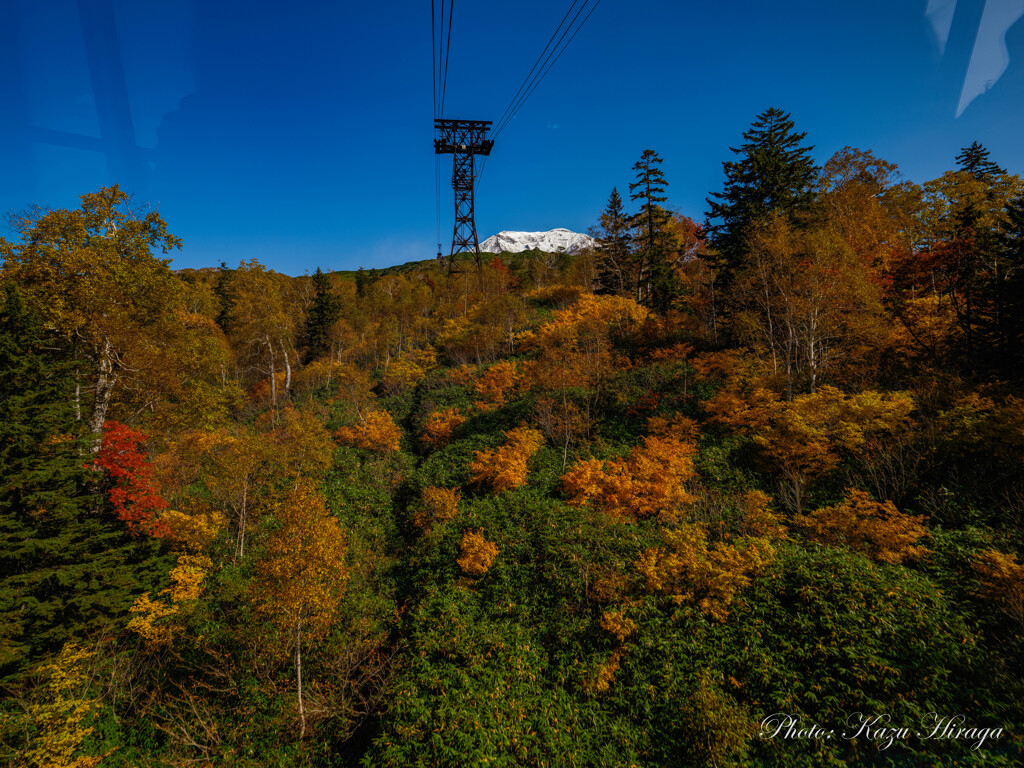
(555, 241)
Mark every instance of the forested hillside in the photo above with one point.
(612, 509)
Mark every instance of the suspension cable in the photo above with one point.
(448, 45)
(549, 62)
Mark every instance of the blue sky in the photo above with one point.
(301, 134)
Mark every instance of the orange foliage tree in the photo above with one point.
(506, 467)
(439, 427)
(876, 530)
(650, 482)
(376, 432)
(495, 384)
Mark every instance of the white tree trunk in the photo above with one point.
(105, 381)
(287, 372)
(298, 675)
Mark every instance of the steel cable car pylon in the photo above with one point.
(463, 139)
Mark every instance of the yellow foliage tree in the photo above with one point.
(401, 375)
(476, 554)
(650, 482)
(237, 465)
(506, 467)
(91, 274)
(439, 506)
(194, 525)
(1002, 580)
(150, 619)
(301, 580)
(58, 718)
(690, 569)
(876, 530)
(302, 446)
(376, 432)
(808, 436)
(439, 427)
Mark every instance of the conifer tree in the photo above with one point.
(1010, 296)
(226, 297)
(613, 249)
(65, 570)
(774, 174)
(323, 313)
(652, 274)
(975, 161)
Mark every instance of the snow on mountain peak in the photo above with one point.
(558, 240)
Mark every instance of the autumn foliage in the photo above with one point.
(876, 530)
(689, 568)
(650, 482)
(376, 432)
(476, 554)
(1002, 581)
(439, 505)
(152, 618)
(495, 384)
(60, 719)
(133, 492)
(505, 467)
(607, 507)
(440, 426)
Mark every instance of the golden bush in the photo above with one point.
(476, 554)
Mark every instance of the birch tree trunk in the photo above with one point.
(105, 381)
(298, 675)
(287, 372)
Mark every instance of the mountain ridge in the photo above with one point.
(559, 240)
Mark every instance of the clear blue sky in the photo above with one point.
(301, 133)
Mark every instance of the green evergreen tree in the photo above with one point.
(226, 297)
(977, 262)
(323, 314)
(1010, 297)
(66, 570)
(651, 273)
(361, 281)
(774, 173)
(975, 161)
(613, 248)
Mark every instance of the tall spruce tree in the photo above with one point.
(774, 174)
(652, 273)
(977, 262)
(1010, 291)
(613, 248)
(975, 161)
(323, 314)
(66, 570)
(225, 296)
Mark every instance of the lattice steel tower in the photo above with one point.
(463, 139)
